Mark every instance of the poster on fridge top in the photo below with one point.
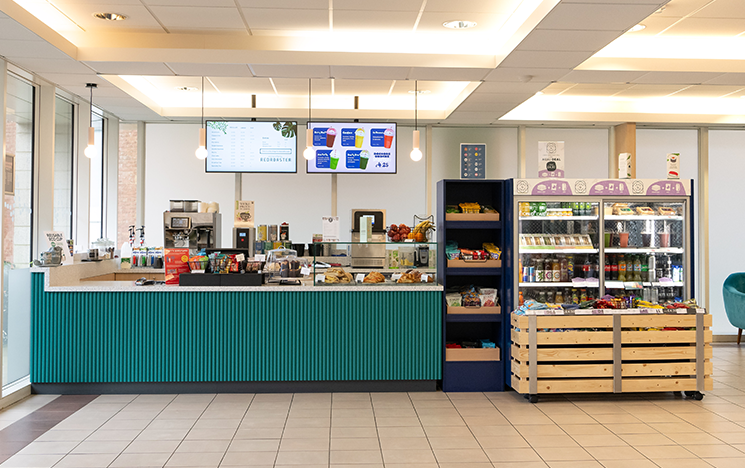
(353, 148)
(551, 159)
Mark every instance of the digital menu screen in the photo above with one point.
(353, 148)
(251, 146)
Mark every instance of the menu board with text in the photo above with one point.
(251, 146)
(353, 148)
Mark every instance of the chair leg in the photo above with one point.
(739, 336)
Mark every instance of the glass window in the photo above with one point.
(17, 228)
(97, 181)
(64, 130)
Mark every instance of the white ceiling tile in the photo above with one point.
(138, 17)
(432, 21)
(471, 6)
(722, 9)
(653, 25)
(286, 4)
(130, 68)
(210, 69)
(377, 5)
(291, 71)
(497, 107)
(294, 19)
(682, 78)
(198, 17)
(374, 20)
(602, 76)
(361, 87)
(602, 17)
(728, 79)
(644, 91)
(31, 49)
(448, 74)
(294, 86)
(561, 40)
(9, 29)
(50, 65)
(705, 27)
(63, 3)
(372, 73)
(591, 89)
(509, 87)
(503, 74)
(67, 80)
(192, 3)
(243, 85)
(709, 91)
(538, 59)
(474, 117)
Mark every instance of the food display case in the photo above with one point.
(580, 240)
(405, 263)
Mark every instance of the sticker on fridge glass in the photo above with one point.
(551, 159)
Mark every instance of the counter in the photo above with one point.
(113, 336)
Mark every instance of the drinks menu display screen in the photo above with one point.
(251, 146)
(353, 148)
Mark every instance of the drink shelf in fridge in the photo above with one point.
(638, 285)
(539, 249)
(561, 284)
(642, 218)
(632, 250)
(559, 218)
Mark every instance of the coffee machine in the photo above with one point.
(368, 255)
(195, 231)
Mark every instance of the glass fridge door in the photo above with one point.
(558, 250)
(645, 243)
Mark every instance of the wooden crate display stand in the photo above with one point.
(623, 352)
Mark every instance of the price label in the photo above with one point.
(395, 276)
(260, 258)
(425, 278)
(320, 278)
(240, 257)
(305, 271)
(360, 277)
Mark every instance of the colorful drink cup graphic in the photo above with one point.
(364, 157)
(330, 137)
(359, 137)
(334, 160)
(388, 137)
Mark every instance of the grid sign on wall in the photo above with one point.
(472, 161)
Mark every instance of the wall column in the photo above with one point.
(44, 168)
(624, 136)
(702, 288)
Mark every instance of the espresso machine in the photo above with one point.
(368, 255)
(195, 231)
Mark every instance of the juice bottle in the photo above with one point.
(614, 268)
(540, 273)
(622, 268)
(637, 269)
(570, 267)
(575, 297)
(559, 297)
(564, 269)
(557, 269)
(548, 270)
(522, 300)
(645, 270)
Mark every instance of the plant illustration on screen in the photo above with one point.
(222, 126)
(287, 129)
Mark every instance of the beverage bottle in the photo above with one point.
(559, 297)
(645, 269)
(622, 268)
(607, 270)
(575, 297)
(564, 269)
(522, 300)
(550, 297)
(637, 269)
(614, 268)
(548, 272)
(652, 267)
(570, 267)
(583, 296)
(586, 268)
(595, 269)
(557, 269)
(575, 209)
(667, 267)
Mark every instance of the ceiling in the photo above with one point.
(684, 67)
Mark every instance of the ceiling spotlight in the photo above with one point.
(660, 10)
(186, 88)
(459, 24)
(636, 28)
(109, 16)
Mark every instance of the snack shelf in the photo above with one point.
(612, 284)
(473, 317)
(460, 271)
(473, 224)
(549, 249)
(670, 250)
(642, 218)
(559, 284)
(560, 218)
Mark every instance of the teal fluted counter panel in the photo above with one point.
(234, 336)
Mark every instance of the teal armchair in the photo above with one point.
(734, 301)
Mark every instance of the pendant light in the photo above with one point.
(201, 152)
(416, 153)
(309, 152)
(90, 150)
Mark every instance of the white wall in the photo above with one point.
(652, 146)
(585, 151)
(726, 166)
(174, 173)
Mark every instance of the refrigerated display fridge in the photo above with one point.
(580, 239)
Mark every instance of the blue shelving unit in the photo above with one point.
(475, 376)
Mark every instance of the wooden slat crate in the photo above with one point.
(612, 353)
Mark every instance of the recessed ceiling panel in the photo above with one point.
(191, 3)
(683, 78)
(602, 17)
(649, 91)
(448, 74)
(526, 74)
(722, 9)
(708, 27)
(537, 59)
(728, 79)
(130, 68)
(377, 5)
(509, 87)
(198, 18)
(361, 87)
(374, 20)
(30, 49)
(602, 76)
(485, 22)
(138, 17)
(559, 40)
(595, 89)
(299, 87)
(291, 71)
(472, 6)
(287, 20)
(371, 73)
(210, 69)
(286, 4)
(243, 85)
(50, 65)
(709, 91)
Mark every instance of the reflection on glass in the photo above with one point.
(63, 157)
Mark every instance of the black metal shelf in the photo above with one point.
(473, 224)
(474, 271)
(473, 317)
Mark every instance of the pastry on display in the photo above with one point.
(411, 276)
(644, 210)
(338, 275)
(374, 277)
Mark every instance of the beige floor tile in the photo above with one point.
(81, 460)
(719, 426)
(730, 437)
(353, 422)
(408, 456)
(192, 446)
(355, 432)
(466, 465)
(61, 436)
(725, 462)
(631, 429)
(306, 433)
(539, 429)
(161, 424)
(397, 422)
(405, 443)
(659, 452)
(716, 451)
(599, 440)
(360, 443)
(249, 459)
(395, 412)
(262, 423)
(411, 465)
(254, 445)
(441, 421)
(530, 464)
(460, 456)
(152, 446)
(454, 443)
(615, 453)
(578, 429)
(308, 422)
(37, 461)
(539, 440)
(513, 441)
(447, 431)
(563, 453)
(646, 439)
(302, 458)
(353, 404)
(111, 446)
(123, 424)
(352, 413)
(672, 428)
(210, 434)
(683, 463)
(474, 421)
(114, 435)
(162, 434)
(304, 444)
(355, 456)
(259, 433)
(195, 459)
(350, 396)
(310, 413)
(563, 419)
(618, 418)
(48, 448)
(512, 455)
(217, 424)
(628, 463)
(140, 460)
(685, 438)
(575, 464)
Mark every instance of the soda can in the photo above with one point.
(533, 208)
(542, 209)
(531, 274)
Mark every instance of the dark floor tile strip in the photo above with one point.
(18, 435)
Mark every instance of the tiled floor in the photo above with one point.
(415, 430)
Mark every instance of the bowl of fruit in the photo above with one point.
(398, 233)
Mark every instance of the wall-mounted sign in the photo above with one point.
(551, 159)
(472, 161)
